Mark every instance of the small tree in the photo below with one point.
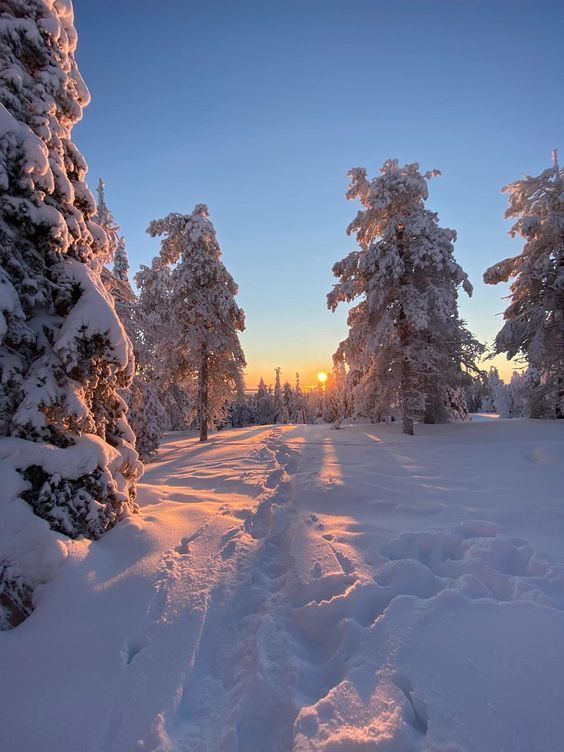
(104, 218)
(264, 404)
(406, 342)
(278, 399)
(298, 408)
(121, 263)
(534, 319)
(202, 315)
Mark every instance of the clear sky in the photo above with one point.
(260, 108)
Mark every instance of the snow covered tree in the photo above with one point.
(406, 342)
(278, 399)
(147, 415)
(514, 399)
(158, 365)
(287, 402)
(121, 263)
(534, 319)
(298, 409)
(493, 386)
(335, 396)
(104, 218)
(476, 392)
(241, 411)
(201, 312)
(264, 404)
(63, 351)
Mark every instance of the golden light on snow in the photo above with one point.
(322, 377)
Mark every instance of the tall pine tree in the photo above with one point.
(201, 313)
(534, 319)
(63, 351)
(406, 342)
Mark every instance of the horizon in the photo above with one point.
(261, 111)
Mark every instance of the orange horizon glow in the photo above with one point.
(308, 371)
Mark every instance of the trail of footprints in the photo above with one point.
(269, 648)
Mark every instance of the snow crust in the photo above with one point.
(298, 588)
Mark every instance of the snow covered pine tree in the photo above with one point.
(407, 345)
(534, 320)
(203, 315)
(147, 415)
(63, 351)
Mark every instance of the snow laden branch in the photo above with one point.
(407, 347)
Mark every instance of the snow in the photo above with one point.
(81, 458)
(299, 588)
(93, 314)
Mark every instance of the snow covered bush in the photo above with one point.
(407, 345)
(191, 297)
(264, 405)
(63, 352)
(534, 319)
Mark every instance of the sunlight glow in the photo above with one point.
(322, 377)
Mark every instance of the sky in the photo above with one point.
(259, 109)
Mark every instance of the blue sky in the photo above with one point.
(259, 109)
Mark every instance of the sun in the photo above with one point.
(322, 377)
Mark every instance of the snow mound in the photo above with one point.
(421, 652)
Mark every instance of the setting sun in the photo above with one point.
(322, 377)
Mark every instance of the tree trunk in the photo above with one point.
(203, 394)
(403, 327)
(406, 416)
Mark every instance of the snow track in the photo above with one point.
(294, 641)
(240, 686)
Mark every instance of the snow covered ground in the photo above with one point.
(302, 588)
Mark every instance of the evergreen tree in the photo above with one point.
(406, 342)
(147, 415)
(241, 412)
(264, 404)
(104, 218)
(202, 316)
(298, 409)
(64, 354)
(278, 399)
(287, 402)
(476, 392)
(534, 319)
(121, 263)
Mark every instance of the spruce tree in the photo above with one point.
(146, 413)
(264, 404)
(406, 342)
(104, 219)
(121, 262)
(278, 398)
(534, 319)
(63, 352)
(298, 411)
(200, 313)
